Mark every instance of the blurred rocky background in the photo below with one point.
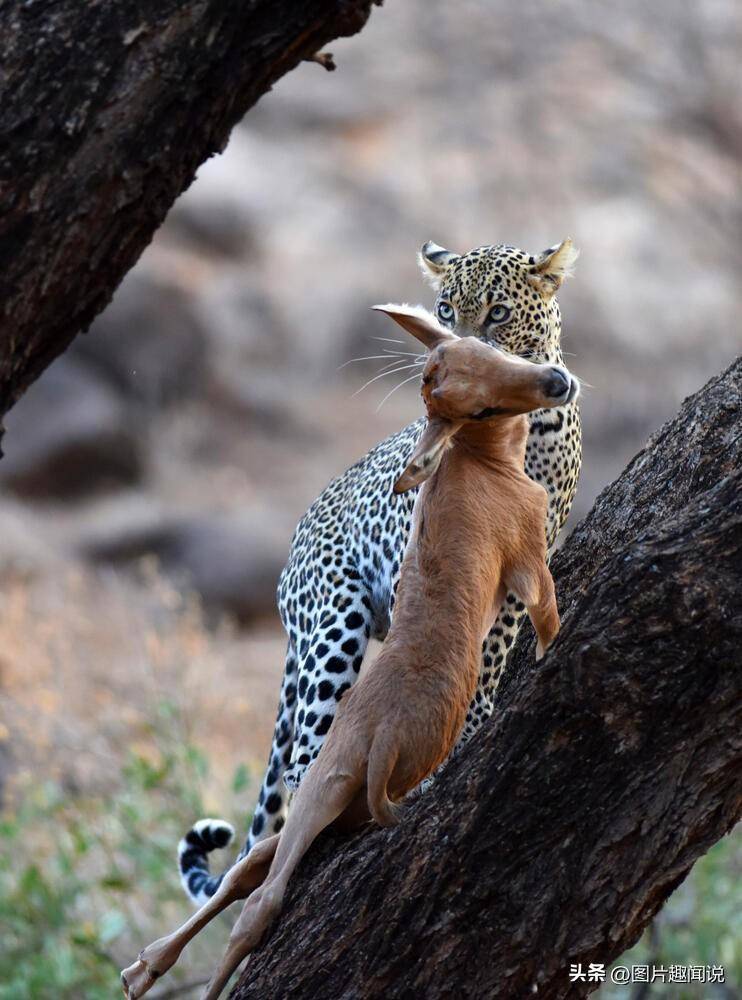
(181, 438)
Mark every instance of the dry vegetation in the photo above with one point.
(86, 660)
(110, 696)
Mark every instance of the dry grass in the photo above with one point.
(84, 660)
(122, 720)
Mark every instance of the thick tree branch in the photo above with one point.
(606, 771)
(106, 111)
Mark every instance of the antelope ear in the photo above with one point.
(428, 454)
(552, 266)
(420, 323)
(434, 261)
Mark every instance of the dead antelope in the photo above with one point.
(478, 532)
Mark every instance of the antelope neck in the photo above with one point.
(500, 440)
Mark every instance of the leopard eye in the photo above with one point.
(446, 313)
(499, 314)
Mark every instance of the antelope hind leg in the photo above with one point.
(155, 960)
(322, 797)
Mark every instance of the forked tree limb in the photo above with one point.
(606, 771)
(106, 111)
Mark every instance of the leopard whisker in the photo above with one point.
(392, 371)
(403, 382)
(368, 357)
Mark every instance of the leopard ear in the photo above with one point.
(551, 267)
(434, 262)
(427, 456)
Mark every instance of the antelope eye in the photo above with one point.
(446, 313)
(499, 314)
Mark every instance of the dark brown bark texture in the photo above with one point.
(106, 111)
(606, 771)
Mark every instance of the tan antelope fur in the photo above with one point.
(478, 532)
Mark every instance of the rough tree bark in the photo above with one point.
(106, 111)
(606, 771)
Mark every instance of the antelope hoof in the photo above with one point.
(137, 979)
(153, 962)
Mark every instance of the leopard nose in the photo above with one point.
(557, 383)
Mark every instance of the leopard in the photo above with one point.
(337, 589)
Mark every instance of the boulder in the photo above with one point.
(150, 343)
(70, 435)
(217, 225)
(232, 563)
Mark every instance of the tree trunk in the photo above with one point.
(606, 771)
(106, 111)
